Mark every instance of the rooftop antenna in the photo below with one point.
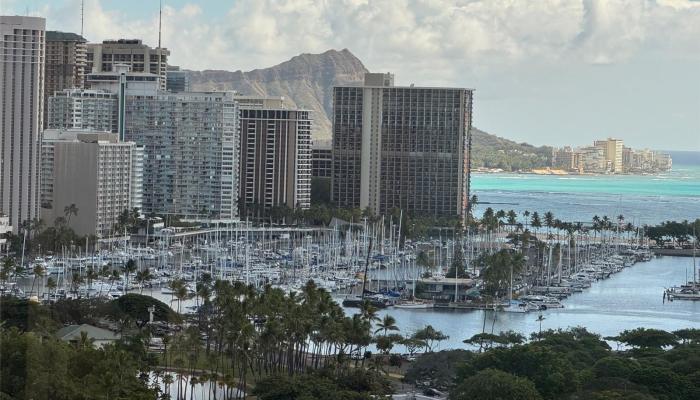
(82, 17)
(160, 21)
(160, 29)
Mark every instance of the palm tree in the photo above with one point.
(539, 319)
(39, 272)
(142, 277)
(70, 210)
(112, 278)
(129, 268)
(512, 218)
(388, 323)
(90, 275)
(51, 285)
(368, 312)
(75, 282)
(181, 293)
(526, 214)
(549, 222)
(8, 267)
(36, 226)
(536, 222)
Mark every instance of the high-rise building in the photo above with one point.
(402, 148)
(177, 80)
(85, 109)
(190, 141)
(612, 151)
(124, 83)
(321, 162)
(103, 57)
(22, 44)
(565, 158)
(93, 171)
(275, 158)
(66, 59)
(592, 159)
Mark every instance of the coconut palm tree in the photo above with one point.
(70, 210)
(526, 214)
(8, 267)
(539, 319)
(90, 275)
(51, 285)
(39, 272)
(36, 226)
(142, 277)
(512, 219)
(128, 269)
(368, 312)
(388, 323)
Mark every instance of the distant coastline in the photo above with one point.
(559, 172)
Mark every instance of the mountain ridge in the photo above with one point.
(307, 80)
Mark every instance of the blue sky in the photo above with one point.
(547, 72)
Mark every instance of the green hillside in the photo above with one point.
(495, 152)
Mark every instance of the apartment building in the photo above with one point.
(402, 147)
(22, 44)
(103, 57)
(191, 146)
(83, 109)
(321, 162)
(612, 151)
(94, 171)
(177, 80)
(275, 159)
(66, 60)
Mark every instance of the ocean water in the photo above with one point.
(642, 199)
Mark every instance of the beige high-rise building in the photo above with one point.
(22, 44)
(66, 59)
(612, 151)
(94, 171)
(102, 57)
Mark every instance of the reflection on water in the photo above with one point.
(629, 299)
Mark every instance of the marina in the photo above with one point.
(396, 274)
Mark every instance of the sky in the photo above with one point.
(553, 72)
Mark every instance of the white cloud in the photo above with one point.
(505, 48)
(408, 35)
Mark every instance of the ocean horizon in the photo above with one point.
(642, 199)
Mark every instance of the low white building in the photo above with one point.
(97, 337)
(5, 227)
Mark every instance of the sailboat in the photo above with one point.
(689, 291)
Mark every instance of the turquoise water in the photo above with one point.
(640, 198)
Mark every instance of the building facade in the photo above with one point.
(103, 57)
(85, 109)
(191, 147)
(177, 80)
(94, 171)
(402, 148)
(5, 228)
(275, 159)
(321, 162)
(612, 151)
(22, 44)
(66, 60)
